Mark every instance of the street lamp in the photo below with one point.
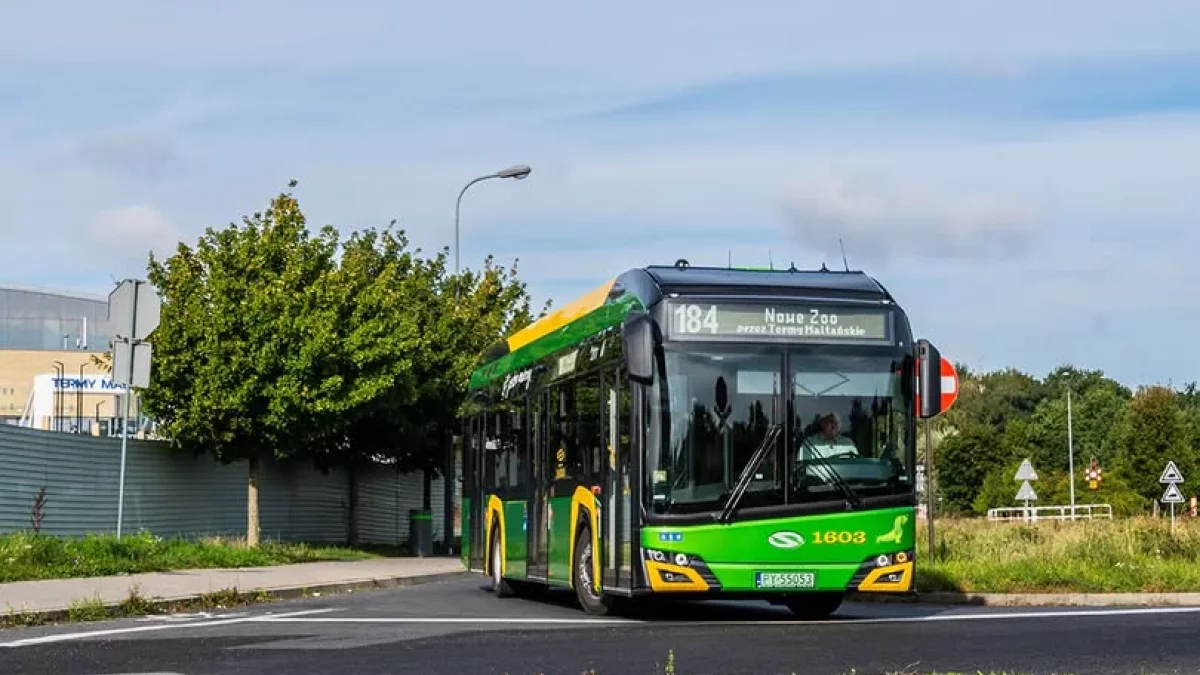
(519, 172)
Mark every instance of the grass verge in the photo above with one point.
(25, 556)
(1137, 555)
(136, 605)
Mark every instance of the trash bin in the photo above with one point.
(420, 532)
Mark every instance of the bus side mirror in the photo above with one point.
(638, 334)
(929, 376)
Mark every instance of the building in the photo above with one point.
(48, 379)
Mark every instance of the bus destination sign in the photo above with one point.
(776, 321)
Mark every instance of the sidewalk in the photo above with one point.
(56, 595)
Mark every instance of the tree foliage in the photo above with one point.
(1154, 431)
(279, 343)
(1005, 416)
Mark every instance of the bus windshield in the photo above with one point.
(845, 415)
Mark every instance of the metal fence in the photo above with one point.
(1035, 513)
(170, 493)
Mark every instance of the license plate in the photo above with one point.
(785, 580)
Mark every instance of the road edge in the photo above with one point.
(1035, 599)
(163, 605)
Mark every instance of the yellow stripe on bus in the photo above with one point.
(564, 315)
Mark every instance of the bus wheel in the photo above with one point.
(500, 587)
(815, 606)
(591, 601)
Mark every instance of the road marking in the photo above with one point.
(83, 635)
(307, 616)
(442, 619)
(1057, 614)
(988, 616)
(159, 618)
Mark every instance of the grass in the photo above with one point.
(1138, 555)
(134, 605)
(25, 556)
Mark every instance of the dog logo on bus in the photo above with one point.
(785, 539)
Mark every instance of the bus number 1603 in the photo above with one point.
(842, 537)
(694, 318)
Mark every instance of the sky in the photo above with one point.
(1020, 175)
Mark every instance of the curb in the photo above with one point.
(248, 596)
(1037, 599)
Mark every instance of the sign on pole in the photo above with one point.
(1026, 472)
(1172, 495)
(1094, 474)
(1172, 478)
(134, 310)
(949, 385)
(1026, 493)
(1171, 474)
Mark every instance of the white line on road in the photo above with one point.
(1060, 613)
(66, 637)
(986, 616)
(982, 616)
(442, 619)
(307, 616)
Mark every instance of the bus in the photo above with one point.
(701, 432)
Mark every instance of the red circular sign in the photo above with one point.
(949, 385)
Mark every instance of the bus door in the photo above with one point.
(539, 482)
(473, 487)
(617, 493)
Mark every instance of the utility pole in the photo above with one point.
(1070, 454)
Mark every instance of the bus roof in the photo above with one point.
(607, 304)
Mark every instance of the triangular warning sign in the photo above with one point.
(1171, 474)
(1172, 495)
(1026, 493)
(1025, 472)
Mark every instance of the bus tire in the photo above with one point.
(581, 576)
(815, 606)
(500, 585)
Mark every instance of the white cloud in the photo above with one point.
(623, 44)
(227, 88)
(125, 237)
(879, 217)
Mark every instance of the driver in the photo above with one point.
(829, 440)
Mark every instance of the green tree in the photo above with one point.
(962, 461)
(274, 343)
(1154, 431)
(996, 399)
(1097, 408)
(448, 322)
(245, 352)
(998, 489)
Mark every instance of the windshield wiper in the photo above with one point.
(743, 483)
(836, 478)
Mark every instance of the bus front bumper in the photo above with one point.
(883, 573)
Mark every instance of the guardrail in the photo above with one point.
(1035, 513)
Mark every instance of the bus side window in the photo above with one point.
(590, 410)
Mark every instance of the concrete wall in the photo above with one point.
(174, 494)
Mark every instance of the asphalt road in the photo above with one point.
(458, 627)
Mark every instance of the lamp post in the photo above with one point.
(519, 172)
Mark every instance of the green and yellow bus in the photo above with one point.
(702, 433)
